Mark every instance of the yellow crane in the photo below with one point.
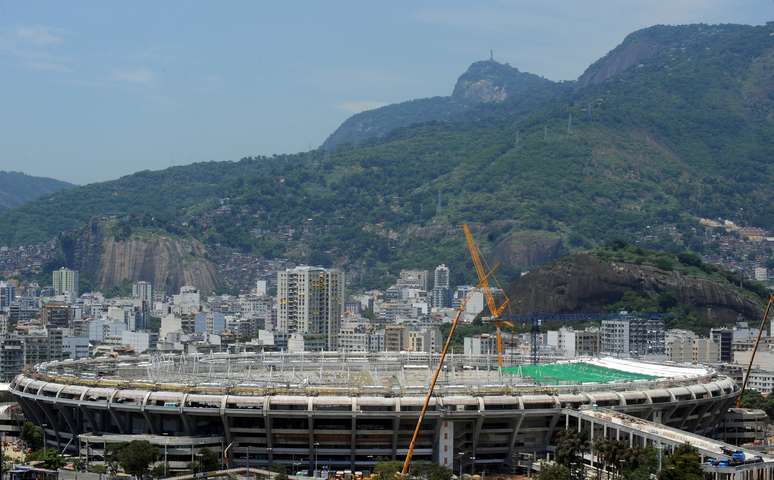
(755, 349)
(483, 279)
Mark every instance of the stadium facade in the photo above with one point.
(346, 411)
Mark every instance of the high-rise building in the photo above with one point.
(65, 282)
(632, 336)
(418, 279)
(143, 291)
(7, 295)
(724, 337)
(310, 301)
(441, 291)
(57, 315)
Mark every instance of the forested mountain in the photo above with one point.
(17, 188)
(678, 128)
(482, 85)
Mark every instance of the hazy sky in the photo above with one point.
(92, 90)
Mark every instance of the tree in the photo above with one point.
(157, 471)
(32, 435)
(136, 456)
(51, 459)
(570, 447)
(209, 460)
(683, 464)
(554, 472)
(387, 470)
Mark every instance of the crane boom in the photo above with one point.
(483, 279)
(755, 349)
(429, 394)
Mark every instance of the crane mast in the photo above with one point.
(483, 279)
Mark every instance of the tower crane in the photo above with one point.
(483, 279)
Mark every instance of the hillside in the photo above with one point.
(17, 188)
(624, 277)
(666, 134)
(483, 84)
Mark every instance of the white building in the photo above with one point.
(310, 300)
(75, 348)
(143, 291)
(762, 274)
(65, 282)
(139, 341)
(187, 302)
(169, 324)
(100, 329)
(483, 344)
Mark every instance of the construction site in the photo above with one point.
(313, 411)
(347, 411)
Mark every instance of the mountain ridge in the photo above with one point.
(664, 143)
(17, 188)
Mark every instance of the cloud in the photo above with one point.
(141, 76)
(33, 46)
(38, 35)
(357, 106)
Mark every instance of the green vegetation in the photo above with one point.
(570, 448)
(554, 472)
(754, 399)
(687, 133)
(578, 372)
(136, 456)
(50, 458)
(32, 435)
(683, 464)
(389, 470)
(17, 188)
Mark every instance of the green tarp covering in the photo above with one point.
(579, 372)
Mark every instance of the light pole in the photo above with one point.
(316, 446)
(166, 462)
(43, 427)
(462, 456)
(472, 465)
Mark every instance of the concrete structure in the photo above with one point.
(7, 295)
(441, 290)
(140, 342)
(65, 282)
(143, 291)
(724, 337)
(347, 410)
(571, 343)
(745, 426)
(75, 348)
(632, 336)
(483, 344)
(610, 424)
(310, 300)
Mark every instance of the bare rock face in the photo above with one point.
(526, 250)
(166, 261)
(493, 82)
(586, 283)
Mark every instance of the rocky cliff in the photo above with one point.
(111, 256)
(587, 283)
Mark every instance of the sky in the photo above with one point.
(93, 90)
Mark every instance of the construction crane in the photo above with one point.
(755, 349)
(483, 279)
(429, 394)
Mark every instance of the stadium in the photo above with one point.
(346, 411)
